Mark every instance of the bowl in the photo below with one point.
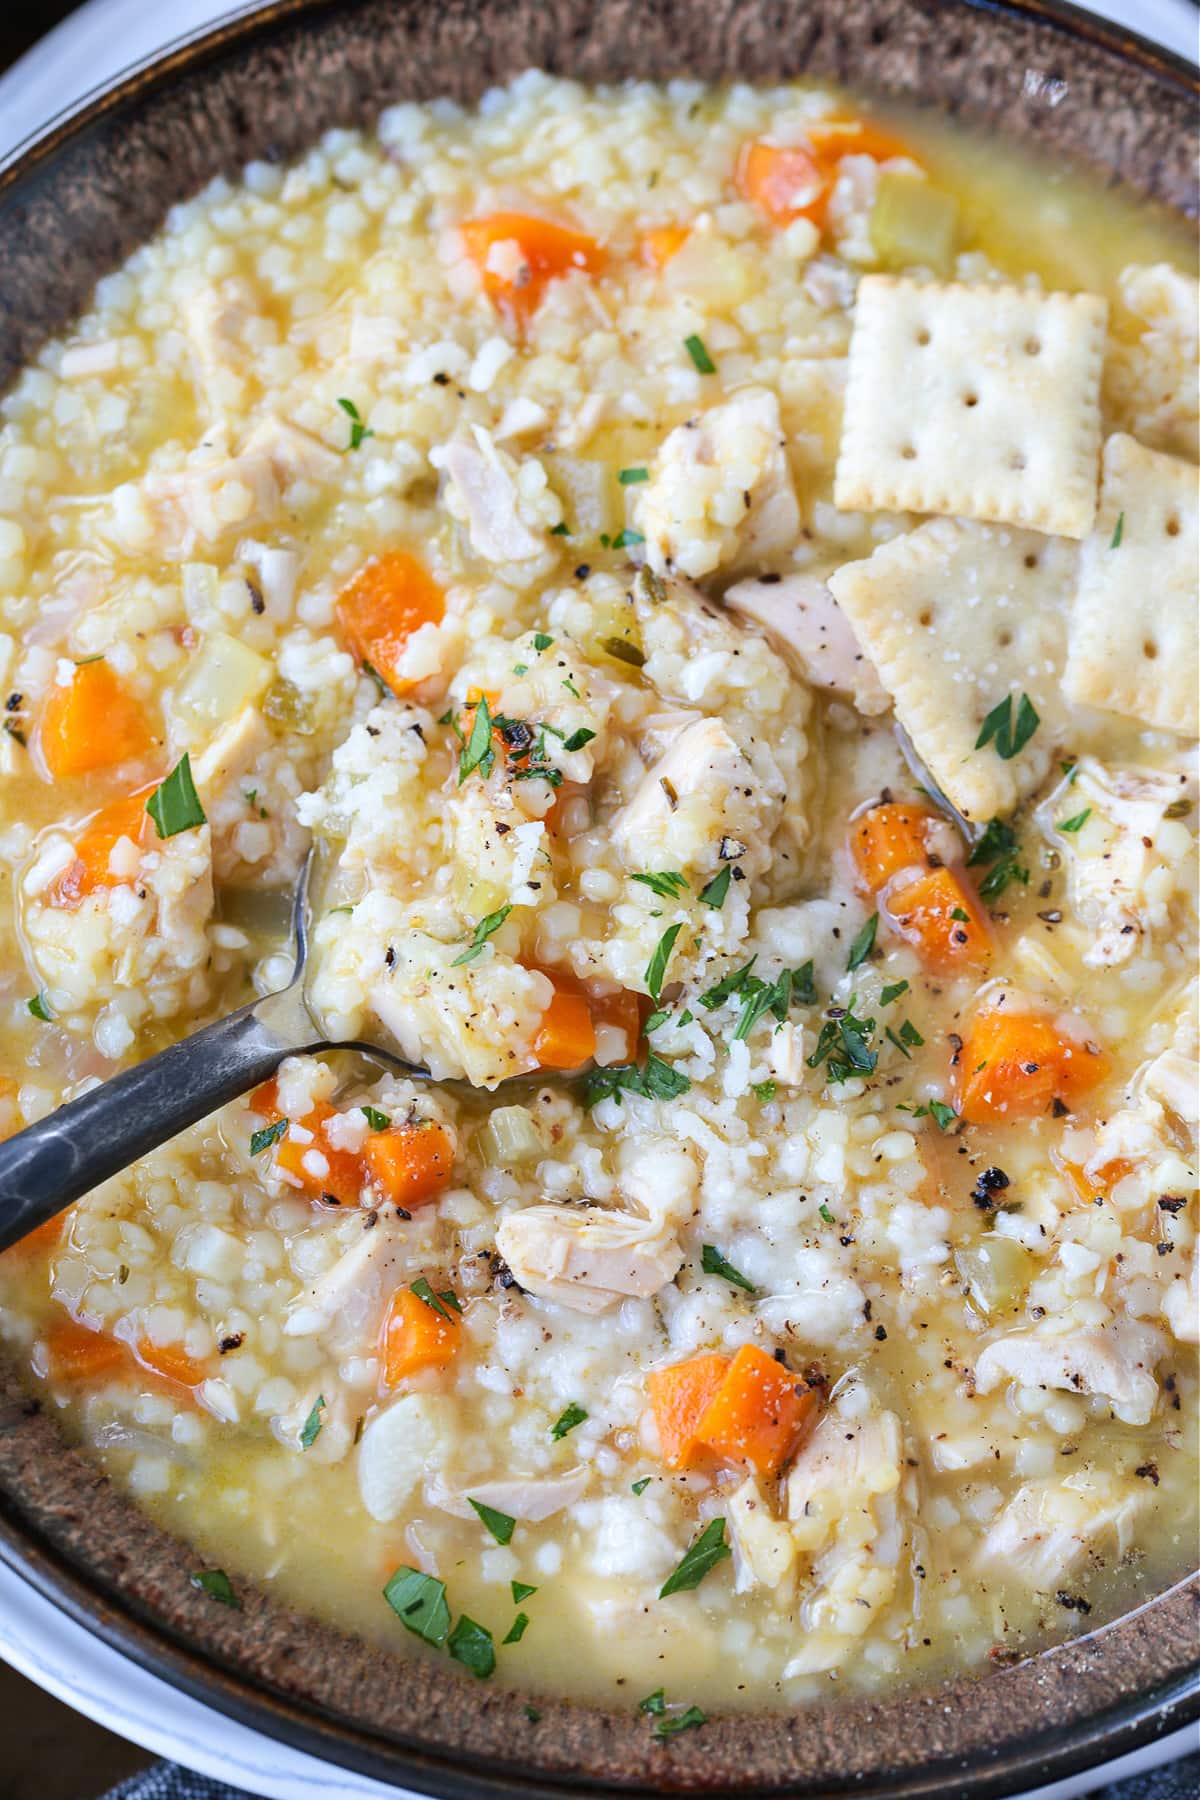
(79, 200)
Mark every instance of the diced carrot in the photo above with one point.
(518, 255)
(566, 1036)
(1015, 1065)
(679, 1395)
(757, 1413)
(335, 1175)
(886, 839)
(92, 723)
(77, 1354)
(938, 914)
(660, 244)
(172, 1363)
(123, 818)
(832, 139)
(42, 1239)
(411, 1163)
(784, 181)
(415, 1337)
(381, 606)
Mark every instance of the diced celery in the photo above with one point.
(222, 678)
(996, 1271)
(587, 491)
(284, 705)
(913, 223)
(509, 1137)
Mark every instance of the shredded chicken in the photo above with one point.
(805, 622)
(695, 794)
(587, 1258)
(1116, 1362)
(763, 1546)
(351, 1293)
(1048, 1527)
(230, 753)
(531, 1497)
(484, 486)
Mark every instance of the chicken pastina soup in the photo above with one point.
(714, 573)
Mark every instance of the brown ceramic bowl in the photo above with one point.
(71, 207)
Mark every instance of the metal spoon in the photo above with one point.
(51, 1164)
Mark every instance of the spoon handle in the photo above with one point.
(50, 1164)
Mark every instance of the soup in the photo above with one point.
(713, 571)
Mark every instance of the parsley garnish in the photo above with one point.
(359, 429)
(713, 1263)
(687, 1720)
(703, 1554)
(311, 1430)
(825, 1213)
(892, 992)
(270, 1134)
(629, 477)
(1118, 532)
(378, 1121)
(728, 985)
(863, 944)
(714, 894)
(657, 1081)
(500, 1524)
(963, 918)
(478, 744)
(39, 1006)
(560, 530)
(567, 1420)
(578, 739)
(842, 1045)
(517, 1629)
(653, 1022)
(999, 728)
(656, 968)
(1077, 822)
(175, 805)
(639, 1487)
(997, 846)
(521, 1590)
(625, 538)
(541, 641)
(217, 1585)
(655, 1703)
(377, 678)
(694, 346)
(944, 1116)
(764, 1091)
(668, 884)
(483, 932)
(439, 1302)
(419, 1602)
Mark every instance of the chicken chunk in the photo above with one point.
(1049, 1527)
(586, 1258)
(488, 500)
(720, 493)
(700, 793)
(1115, 1361)
(351, 1294)
(803, 620)
(230, 753)
(399, 1447)
(763, 1546)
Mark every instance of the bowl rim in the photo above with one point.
(1051, 1754)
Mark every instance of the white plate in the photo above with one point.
(83, 53)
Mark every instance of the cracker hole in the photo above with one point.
(925, 618)
(1004, 639)
(922, 337)
(1032, 346)
(970, 399)
(1150, 650)
(908, 453)
(1172, 526)
(1031, 561)
(1016, 460)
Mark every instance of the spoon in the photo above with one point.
(46, 1167)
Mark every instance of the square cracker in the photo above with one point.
(983, 402)
(1134, 640)
(955, 616)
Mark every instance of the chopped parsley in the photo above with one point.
(713, 1263)
(1078, 822)
(517, 1629)
(624, 539)
(843, 1045)
(270, 1134)
(944, 1116)
(378, 1121)
(377, 678)
(653, 1022)
(439, 1302)
(764, 1091)
(1118, 532)
(656, 968)
(655, 1703)
(500, 1524)
(668, 884)
(999, 728)
(728, 985)
(359, 429)
(892, 992)
(694, 346)
(714, 893)
(639, 1487)
(656, 1081)
(670, 1723)
(479, 744)
(825, 1213)
(175, 805)
(962, 917)
(560, 530)
(521, 1590)
(863, 944)
(419, 1602)
(567, 1420)
(997, 846)
(217, 1585)
(483, 931)
(39, 1006)
(312, 1425)
(541, 641)
(775, 997)
(702, 1554)
(578, 739)
(630, 477)
(471, 1644)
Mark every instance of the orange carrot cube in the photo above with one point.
(77, 1354)
(412, 1164)
(886, 839)
(784, 181)
(566, 1036)
(416, 1336)
(758, 1412)
(92, 723)
(518, 255)
(1015, 1065)
(381, 607)
(939, 915)
(679, 1395)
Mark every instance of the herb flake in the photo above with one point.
(175, 805)
(311, 1429)
(359, 429)
(713, 1263)
(471, 1644)
(270, 1134)
(483, 931)
(419, 1602)
(695, 347)
(567, 1420)
(702, 1554)
(217, 1585)
(500, 1524)
(1008, 735)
